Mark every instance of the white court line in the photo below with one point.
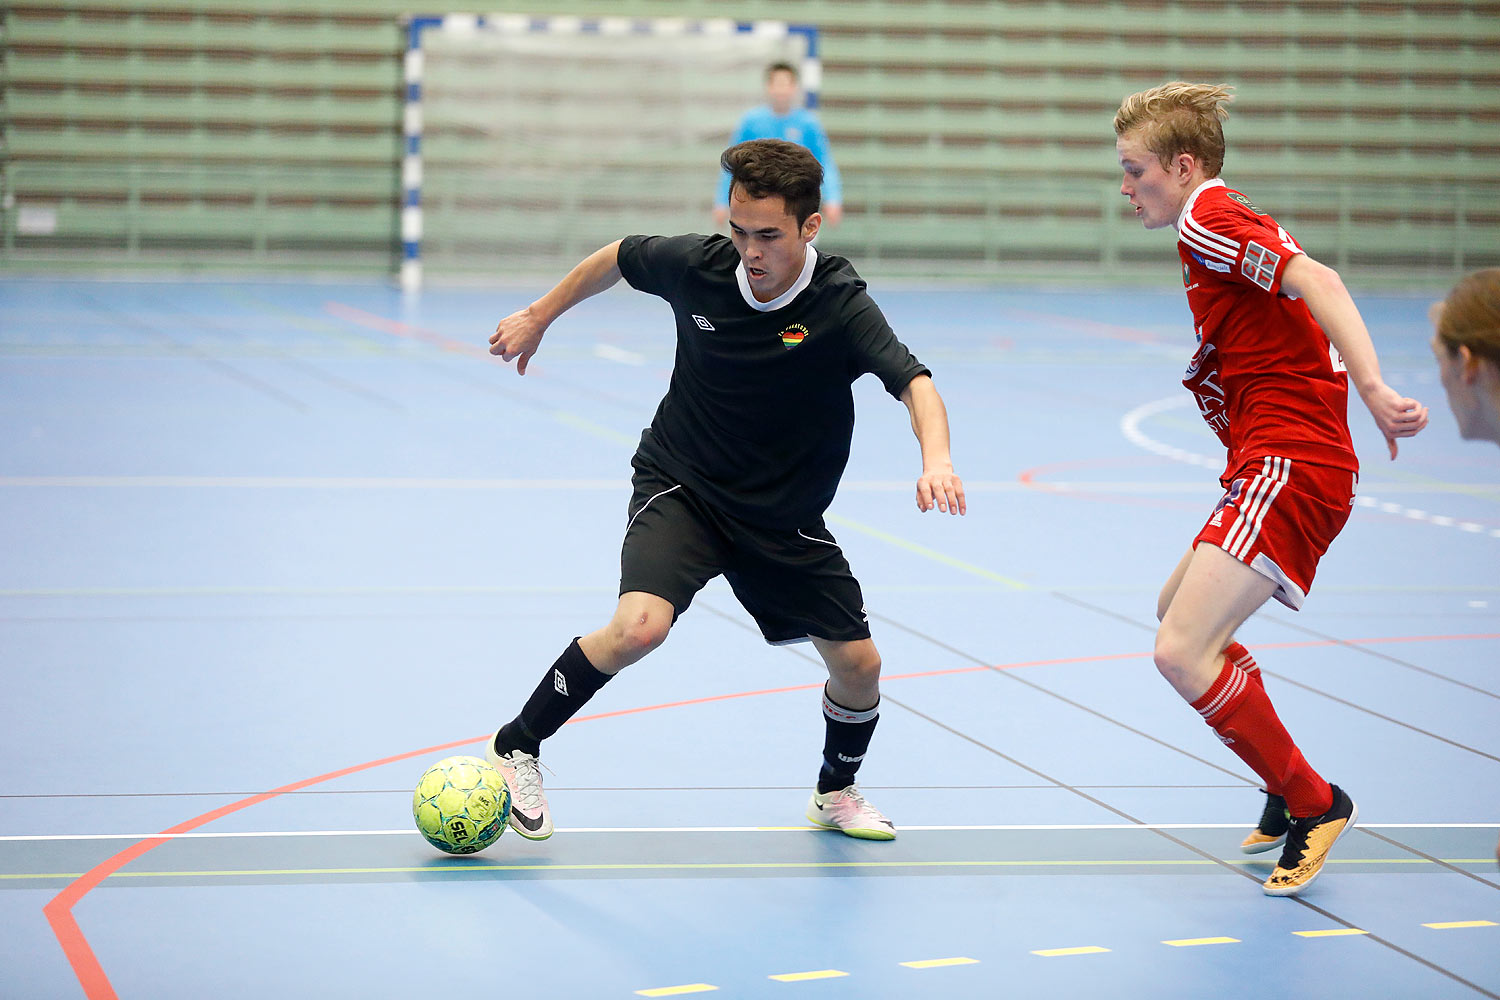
(228, 835)
(311, 482)
(1130, 426)
(458, 483)
(618, 354)
(593, 485)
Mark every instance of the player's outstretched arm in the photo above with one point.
(938, 486)
(519, 334)
(1329, 301)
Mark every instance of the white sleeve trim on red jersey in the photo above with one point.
(1201, 239)
(1207, 242)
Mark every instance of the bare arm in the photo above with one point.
(1331, 305)
(519, 334)
(938, 486)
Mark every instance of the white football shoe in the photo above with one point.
(847, 811)
(529, 815)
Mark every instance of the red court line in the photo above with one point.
(399, 329)
(95, 982)
(1028, 478)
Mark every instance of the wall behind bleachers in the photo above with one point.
(974, 136)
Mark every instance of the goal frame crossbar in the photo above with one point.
(410, 276)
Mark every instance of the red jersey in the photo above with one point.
(1264, 374)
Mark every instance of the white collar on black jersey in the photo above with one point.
(1188, 205)
(803, 280)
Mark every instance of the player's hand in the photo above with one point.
(721, 216)
(832, 212)
(943, 490)
(517, 336)
(1396, 415)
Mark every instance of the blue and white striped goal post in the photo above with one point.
(521, 24)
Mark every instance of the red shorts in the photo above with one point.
(1279, 517)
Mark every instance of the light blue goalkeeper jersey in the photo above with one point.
(798, 125)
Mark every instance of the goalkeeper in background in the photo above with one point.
(784, 117)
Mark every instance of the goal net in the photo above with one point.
(531, 142)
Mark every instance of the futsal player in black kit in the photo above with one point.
(742, 458)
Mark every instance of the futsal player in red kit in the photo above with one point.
(1279, 340)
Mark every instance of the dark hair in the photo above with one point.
(764, 168)
(782, 67)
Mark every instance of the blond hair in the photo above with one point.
(1180, 117)
(1470, 315)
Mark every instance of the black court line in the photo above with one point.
(1326, 914)
(1423, 854)
(784, 852)
(576, 788)
(1325, 694)
(192, 353)
(353, 616)
(1307, 687)
(1010, 675)
(491, 386)
(283, 357)
(1380, 715)
(1379, 655)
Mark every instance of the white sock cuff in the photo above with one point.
(838, 713)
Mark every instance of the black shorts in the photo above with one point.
(795, 583)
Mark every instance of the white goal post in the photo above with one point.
(530, 141)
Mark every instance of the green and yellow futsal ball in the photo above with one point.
(461, 805)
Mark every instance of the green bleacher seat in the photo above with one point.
(969, 133)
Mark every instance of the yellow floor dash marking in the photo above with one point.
(1090, 949)
(797, 977)
(1335, 932)
(1194, 942)
(1454, 925)
(937, 963)
(676, 991)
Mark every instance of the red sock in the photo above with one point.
(1242, 715)
(1238, 656)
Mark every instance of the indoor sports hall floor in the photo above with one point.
(272, 549)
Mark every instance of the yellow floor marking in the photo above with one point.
(1060, 952)
(676, 991)
(1456, 924)
(1194, 942)
(937, 963)
(797, 977)
(923, 550)
(1336, 932)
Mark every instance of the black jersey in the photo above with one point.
(759, 413)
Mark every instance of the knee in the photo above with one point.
(1185, 663)
(635, 637)
(860, 672)
(1171, 655)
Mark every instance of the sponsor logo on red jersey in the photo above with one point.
(1202, 380)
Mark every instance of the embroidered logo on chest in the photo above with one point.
(793, 335)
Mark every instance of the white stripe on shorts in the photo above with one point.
(822, 541)
(648, 503)
(1263, 491)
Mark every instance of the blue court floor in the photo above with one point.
(271, 549)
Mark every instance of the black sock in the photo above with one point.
(567, 686)
(847, 738)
